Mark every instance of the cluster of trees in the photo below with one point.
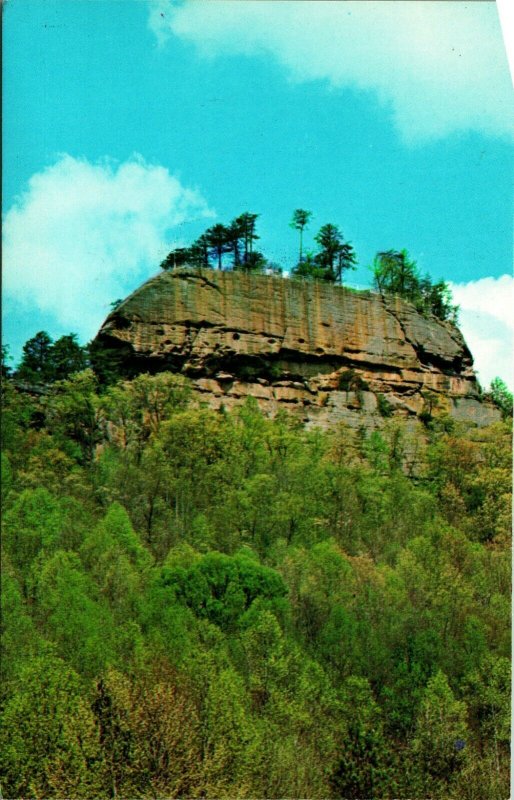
(46, 361)
(236, 241)
(395, 273)
(209, 250)
(334, 256)
(201, 603)
(43, 361)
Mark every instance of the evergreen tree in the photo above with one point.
(299, 222)
(335, 256)
(346, 259)
(47, 361)
(67, 357)
(236, 235)
(330, 239)
(247, 223)
(36, 363)
(218, 240)
(177, 258)
(199, 252)
(255, 262)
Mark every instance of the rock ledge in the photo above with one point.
(323, 352)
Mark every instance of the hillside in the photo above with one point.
(206, 604)
(200, 599)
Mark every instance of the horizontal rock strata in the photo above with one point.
(324, 352)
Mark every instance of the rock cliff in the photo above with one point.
(324, 352)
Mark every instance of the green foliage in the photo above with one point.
(180, 257)
(299, 222)
(134, 410)
(209, 604)
(362, 768)
(218, 241)
(308, 268)
(72, 614)
(228, 735)
(385, 409)
(500, 396)
(44, 361)
(36, 360)
(20, 639)
(242, 236)
(67, 357)
(221, 588)
(393, 270)
(118, 562)
(49, 743)
(37, 523)
(107, 364)
(441, 733)
(349, 380)
(335, 255)
(149, 733)
(395, 273)
(71, 414)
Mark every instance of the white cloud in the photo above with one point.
(440, 66)
(84, 234)
(487, 323)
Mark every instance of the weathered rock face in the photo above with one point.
(323, 352)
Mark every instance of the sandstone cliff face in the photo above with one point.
(323, 352)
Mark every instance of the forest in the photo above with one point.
(213, 604)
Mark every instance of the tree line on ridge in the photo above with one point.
(231, 247)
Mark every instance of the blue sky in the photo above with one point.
(131, 126)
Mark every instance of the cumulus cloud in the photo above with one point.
(439, 67)
(487, 323)
(85, 234)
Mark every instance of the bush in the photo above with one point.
(349, 380)
(384, 406)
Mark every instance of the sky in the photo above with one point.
(130, 126)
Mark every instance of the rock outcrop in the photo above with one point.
(324, 352)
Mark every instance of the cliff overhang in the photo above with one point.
(323, 352)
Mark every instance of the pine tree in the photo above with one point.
(299, 222)
(36, 362)
(335, 255)
(218, 241)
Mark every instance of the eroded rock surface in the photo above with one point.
(323, 352)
